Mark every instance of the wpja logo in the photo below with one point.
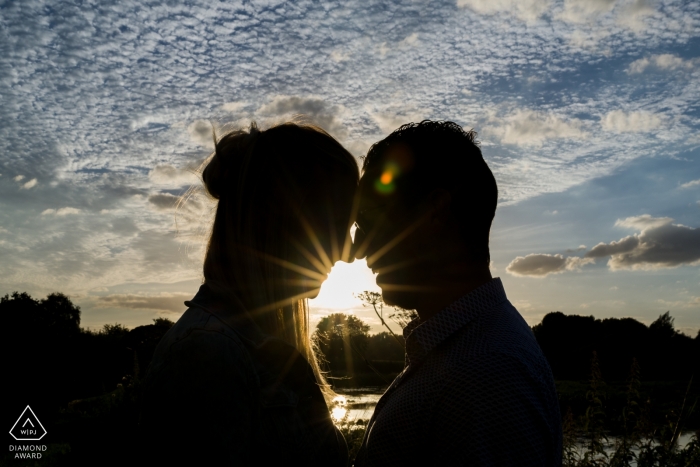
(28, 428)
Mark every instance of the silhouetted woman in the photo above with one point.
(235, 381)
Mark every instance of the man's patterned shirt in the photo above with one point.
(476, 390)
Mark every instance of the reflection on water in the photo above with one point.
(355, 405)
(338, 409)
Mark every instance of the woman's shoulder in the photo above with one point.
(200, 338)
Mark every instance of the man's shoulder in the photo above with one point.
(499, 341)
(499, 330)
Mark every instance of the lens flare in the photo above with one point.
(385, 183)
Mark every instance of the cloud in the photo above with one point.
(30, 184)
(18, 178)
(172, 303)
(691, 184)
(590, 39)
(393, 116)
(171, 176)
(602, 250)
(93, 104)
(200, 132)
(644, 221)
(123, 226)
(339, 56)
(630, 122)
(542, 265)
(411, 39)
(661, 62)
(164, 201)
(526, 10)
(632, 15)
(318, 110)
(388, 123)
(660, 244)
(233, 106)
(530, 128)
(692, 302)
(60, 212)
(582, 11)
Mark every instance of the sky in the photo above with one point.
(588, 114)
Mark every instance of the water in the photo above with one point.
(358, 405)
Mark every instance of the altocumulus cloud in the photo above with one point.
(660, 62)
(530, 128)
(630, 122)
(168, 175)
(660, 244)
(173, 303)
(163, 201)
(313, 108)
(542, 265)
(60, 212)
(127, 91)
(30, 184)
(526, 10)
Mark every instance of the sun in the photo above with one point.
(344, 281)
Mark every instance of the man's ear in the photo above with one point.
(439, 201)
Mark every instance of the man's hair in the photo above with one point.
(444, 156)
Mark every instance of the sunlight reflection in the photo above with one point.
(339, 408)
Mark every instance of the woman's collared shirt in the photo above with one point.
(221, 392)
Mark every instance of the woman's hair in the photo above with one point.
(278, 190)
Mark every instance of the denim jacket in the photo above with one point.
(221, 392)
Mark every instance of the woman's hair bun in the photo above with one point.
(231, 153)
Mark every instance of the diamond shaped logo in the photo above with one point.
(27, 427)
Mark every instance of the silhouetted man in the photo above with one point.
(476, 388)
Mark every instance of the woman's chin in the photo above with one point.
(307, 292)
(313, 294)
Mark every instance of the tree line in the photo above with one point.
(50, 359)
(662, 353)
(86, 384)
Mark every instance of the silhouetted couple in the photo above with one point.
(236, 382)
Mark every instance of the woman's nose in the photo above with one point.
(358, 249)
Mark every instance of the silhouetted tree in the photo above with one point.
(39, 342)
(664, 353)
(375, 300)
(163, 322)
(402, 316)
(382, 346)
(663, 328)
(342, 339)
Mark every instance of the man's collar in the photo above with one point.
(423, 337)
